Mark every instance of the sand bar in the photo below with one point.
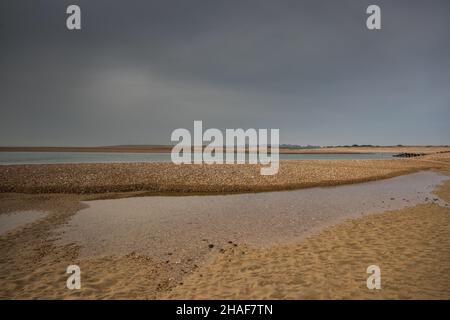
(168, 178)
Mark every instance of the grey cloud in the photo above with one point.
(139, 69)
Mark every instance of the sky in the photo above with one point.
(137, 70)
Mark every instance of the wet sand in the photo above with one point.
(187, 226)
(150, 263)
(411, 246)
(178, 236)
(11, 221)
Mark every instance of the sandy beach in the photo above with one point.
(310, 243)
(224, 150)
(411, 246)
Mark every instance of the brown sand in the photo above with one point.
(411, 246)
(13, 220)
(32, 265)
(167, 178)
(412, 249)
(329, 265)
(186, 226)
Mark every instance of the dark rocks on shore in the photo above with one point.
(408, 155)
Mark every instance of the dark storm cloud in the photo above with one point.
(139, 69)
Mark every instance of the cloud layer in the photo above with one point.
(139, 69)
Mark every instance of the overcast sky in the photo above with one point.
(140, 69)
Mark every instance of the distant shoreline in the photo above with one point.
(168, 149)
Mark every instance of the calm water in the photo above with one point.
(178, 224)
(98, 157)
